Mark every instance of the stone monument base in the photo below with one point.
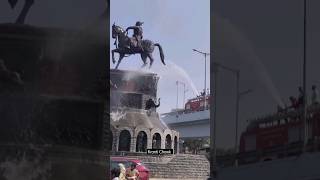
(26, 161)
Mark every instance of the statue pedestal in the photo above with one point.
(135, 129)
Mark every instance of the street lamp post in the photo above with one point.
(305, 123)
(237, 117)
(238, 95)
(205, 74)
(237, 73)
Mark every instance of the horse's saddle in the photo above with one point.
(135, 44)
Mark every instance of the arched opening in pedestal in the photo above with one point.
(124, 141)
(175, 144)
(142, 141)
(168, 142)
(156, 141)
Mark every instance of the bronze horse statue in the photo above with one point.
(127, 47)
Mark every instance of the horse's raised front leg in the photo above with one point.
(119, 61)
(144, 59)
(25, 10)
(151, 60)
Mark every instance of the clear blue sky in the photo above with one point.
(179, 26)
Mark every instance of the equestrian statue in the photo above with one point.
(134, 45)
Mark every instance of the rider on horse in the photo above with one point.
(134, 45)
(137, 34)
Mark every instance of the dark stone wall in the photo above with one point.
(53, 94)
(61, 96)
(60, 63)
(130, 87)
(45, 120)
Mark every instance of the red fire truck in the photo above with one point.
(280, 129)
(197, 104)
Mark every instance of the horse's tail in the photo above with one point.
(161, 53)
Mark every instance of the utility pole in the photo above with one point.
(177, 95)
(184, 94)
(205, 75)
(184, 91)
(305, 123)
(237, 117)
